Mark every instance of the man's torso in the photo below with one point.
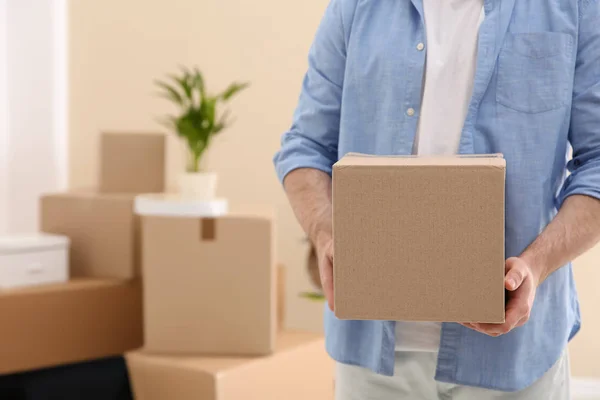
(520, 106)
(452, 27)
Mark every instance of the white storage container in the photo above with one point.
(176, 205)
(28, 260)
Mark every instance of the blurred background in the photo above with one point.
(71, 70)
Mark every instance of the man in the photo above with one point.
(516, 77)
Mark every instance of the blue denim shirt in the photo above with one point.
(536, 95)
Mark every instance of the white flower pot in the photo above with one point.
(198, 185)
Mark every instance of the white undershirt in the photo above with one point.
(452, 28)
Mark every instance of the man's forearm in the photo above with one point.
(309, 192)
(574, 230)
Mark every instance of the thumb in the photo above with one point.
(515, 273)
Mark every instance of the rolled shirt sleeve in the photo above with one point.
(312, 140)
(584, 131)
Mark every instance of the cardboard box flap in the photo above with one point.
(359, 160)
(209, 228)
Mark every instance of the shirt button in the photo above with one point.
(410, 112)
(420, 46)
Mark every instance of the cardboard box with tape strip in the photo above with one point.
(209, 284)
(419, 238)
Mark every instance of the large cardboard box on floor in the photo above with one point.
(419, 238)
(103, 230)
(69, 322)
(132, 163)
(209, 284)
(300, 369)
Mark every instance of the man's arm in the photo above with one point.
(575, 230)
(576, 227)
(309, 192)
(310, 147)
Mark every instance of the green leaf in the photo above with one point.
(223, 123)
(199, 119)
(208, 110)
(233, 89)
(317, 297)
(170, 92)
(183, 83)
(199, 83)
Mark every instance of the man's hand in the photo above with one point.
(574, 230)
(521, 283)
(309, 192)
(325, 256)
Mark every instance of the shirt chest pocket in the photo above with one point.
(535, 71)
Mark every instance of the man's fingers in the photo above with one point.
(494, 329)
(515, 274)
(517, 313)
(518, 281)
(471, 326)
(520, 310)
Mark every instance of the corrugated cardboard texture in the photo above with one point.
(66, 323)
(132, 163)
(103, 231)
(209, 295)
(299, 370)
(419, 238)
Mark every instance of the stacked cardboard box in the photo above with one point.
(103, 231)
(212, 310)
(84, 319)
(299, 369)
(209, 285)
(98, 313)
(132, 163)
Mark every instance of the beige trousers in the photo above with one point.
(413, 380)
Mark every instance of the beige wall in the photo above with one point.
(117, 48)
(585, 348)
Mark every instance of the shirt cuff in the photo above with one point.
(585, 180)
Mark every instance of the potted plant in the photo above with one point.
(196, 122)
